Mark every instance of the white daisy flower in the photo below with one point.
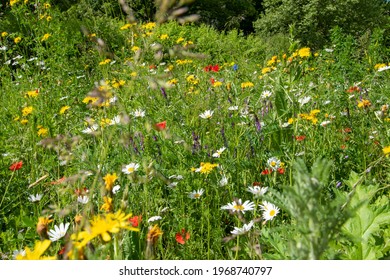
(257, 191)
(196, 194)
(130, 168)
(116, 189)
(266, 94)
(82, 199)
(154, 218)
(274, 163)
(17, 253)
(139, 113)
(384, 68)
(115, 120)
(207, 114)
(245, 228)
(219, 152)
(58, 232)
(239, 206)
(35, 198)
(269, 210)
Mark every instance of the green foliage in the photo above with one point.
(313, 19)
(315, 215)
(366, 229)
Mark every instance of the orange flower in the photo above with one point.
(16, 166)
(300, 138)
(183, 236)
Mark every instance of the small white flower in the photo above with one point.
(266, 94)
(3, 48)
(304, 100)
(207, 114)
(172, 185)
(91, 129)
(245, 228)
(328, 50)
(35, 198)
(384, 68)
(154, 218)
(233, 108)
(196, 194)
(177, 177)
(116, 189)
(274, 163)
(139, 113)
(257, 191)
(130, 168)
(58, 232)
(326, 102)
(223, 182)
(82, 199)
(112, 100)
(115, 120)
(325, 123)
(219, 152)
(238, 206)
(286, 124)
(269, 210)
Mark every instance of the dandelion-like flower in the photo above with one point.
(207, 114)
(130, 168)
(245, 228)
(58, 232)
(269, 210)
(196, 194)
(238, 206)
(36, 254)
(35, 198)
(257, 191)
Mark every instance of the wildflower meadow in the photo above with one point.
(168, 140)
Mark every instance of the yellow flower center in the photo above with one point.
(272, 213)
(238, 207)
(130, 169)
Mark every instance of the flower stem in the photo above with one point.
(6, 188)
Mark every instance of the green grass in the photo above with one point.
(331, 138)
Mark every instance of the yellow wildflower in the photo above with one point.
(304, 52)
(266, 70)
(64, 109)
(104, 62)
(364, 103)
(39, 248)
(135, 49)
(107, 205)
(17, 40)
(24, 121)
(32, 93)
(4, 34)
(42, 226)
(205, 167)
(164, 36)
(45, 37)
(386, 151)
(247, 85)
(109, 180)
(42, 131)
(27, 111)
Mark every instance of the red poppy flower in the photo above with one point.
(347, 130)
(280, 170)
(300, 138)
(266, 172)
(212, 80)
(134, 221)
(161, 125)
(183, 236)
(16, 166)
(256, 184)
(213, 68)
